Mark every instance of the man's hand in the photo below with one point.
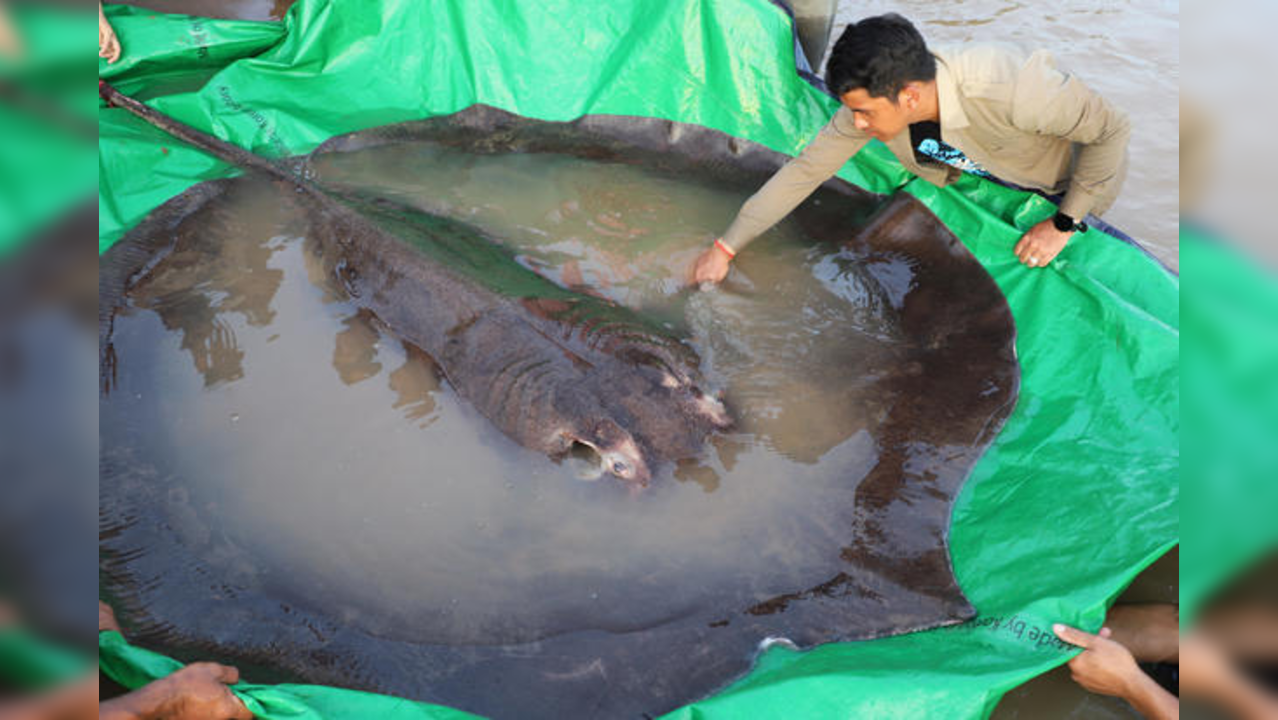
(196, 692)
(1107, 668)
(10, 41)
(1204, 669)
(711, 266)
(200, 691)
(108, 43)
(1041, 244)
(106, 618)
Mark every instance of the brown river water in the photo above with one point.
(238, 337)
(1128, 51)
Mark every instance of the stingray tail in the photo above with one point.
(218, 148)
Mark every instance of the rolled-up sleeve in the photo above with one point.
(1047, 101)
(838, 141)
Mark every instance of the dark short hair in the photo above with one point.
(881, 55)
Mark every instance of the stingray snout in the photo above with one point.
(619, 454)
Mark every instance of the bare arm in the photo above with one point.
(1208, 673)
(1107, 668)
(1151, 700)
(75, 701)
(838, 141)
(196, 692)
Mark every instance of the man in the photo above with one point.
(981, 108)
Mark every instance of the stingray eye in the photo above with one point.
(619, 468)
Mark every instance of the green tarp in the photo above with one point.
(46, 118)
(1076, 496)
(29, 662)
(1231, 407)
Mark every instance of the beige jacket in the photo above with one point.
(1020, 117)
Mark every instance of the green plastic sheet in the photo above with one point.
(29, 662)
(46, 161)
(134, 666)
(1231, 405)
(1078, 493)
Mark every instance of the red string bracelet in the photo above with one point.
(723, 246)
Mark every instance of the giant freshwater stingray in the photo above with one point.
(551, 369)
(892, 574)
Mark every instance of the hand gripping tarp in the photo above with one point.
(1076, 496)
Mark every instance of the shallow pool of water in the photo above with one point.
(272, 453)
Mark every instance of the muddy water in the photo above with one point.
(297, 451)
(48, 427)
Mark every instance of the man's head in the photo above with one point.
(881, 69)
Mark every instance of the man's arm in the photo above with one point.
(196, 692)
(838, 141)
(1107, 668)
(76, 701)
(1207, 673)
(1047, 101)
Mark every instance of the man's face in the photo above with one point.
(878, 116)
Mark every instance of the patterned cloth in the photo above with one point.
(941, 152)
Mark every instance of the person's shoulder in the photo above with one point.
(843, 123)
(984, 71)
(984, 62)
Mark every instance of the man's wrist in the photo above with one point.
(1066, 223)
(146, 703)
(723, 247)
(125, 707)
(1237, 696)
(1149, 698)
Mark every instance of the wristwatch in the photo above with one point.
(1065, 223)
